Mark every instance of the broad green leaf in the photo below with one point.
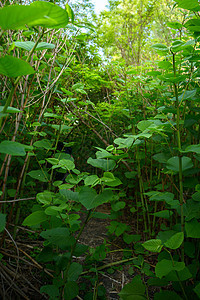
(71, 290)
(197, 289)
(91, 180)
(2, 221)
(193, 25)
(90, 199)
(173, 163)
(193, 148)
(190, 5)
(67, 163)
(10, 110)
(165, 266)
(143, 125)
(45, 144)
(74, 271)
(164, 236)
(166, 65)
(35, 218)
(118, 205)
(161, 49)
(161, 157)
(171, 78)
(175, 241)
(11, 66)
(110, 180)
(51, 115)
(186, 95)
(133, 290)
(104, 164)
(153, 245)
(166, 214)
(52, 161)
(28, 45)
(38, 13)
(192, 229)
(166, 295)
(39, 175)
(174, 25)
(182, 275)
(59, 236)
(45, 197)
(70, 12)
(50, 290)
(196, 196)
(12, 148)
(124, 143)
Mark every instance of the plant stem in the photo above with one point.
(178, 132)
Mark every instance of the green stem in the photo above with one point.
(178, 132)
(74, 246)
(8, 101)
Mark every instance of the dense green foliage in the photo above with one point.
(122, 90)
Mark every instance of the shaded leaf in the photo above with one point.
(12, 148)
(35, 218)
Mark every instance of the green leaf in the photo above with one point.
(38, 13)
(45, 144)
(196, 196)
(59, 236)
(193, 25)
(110, 180)
(71, 290)
(175, 241)
(11, 66)
(171, 78)
(129, 238)
(118, 205)
(174, 25)
(193, 148)
(173, 163)
(182, 275)
(2, 221)
(50, 290)
(133, 290)
(197, 289)
(160, 49)
(91, 180)
(190, 5)
(166, 295)
(165, 266)
(39, 175)
(10, 110)
(153, 245)
(52, 161)
(12, 148)
(70, 12)
(104, 164)
(143, 125)
(192, 229)
(74, 272)
(35, 218)
(44, 198)
(67, 164)
(166, 214)
(28, 45)
(90, 199)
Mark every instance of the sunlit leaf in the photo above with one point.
(11, 66)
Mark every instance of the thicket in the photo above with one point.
(124, 95)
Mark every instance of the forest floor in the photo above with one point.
(21, 276)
